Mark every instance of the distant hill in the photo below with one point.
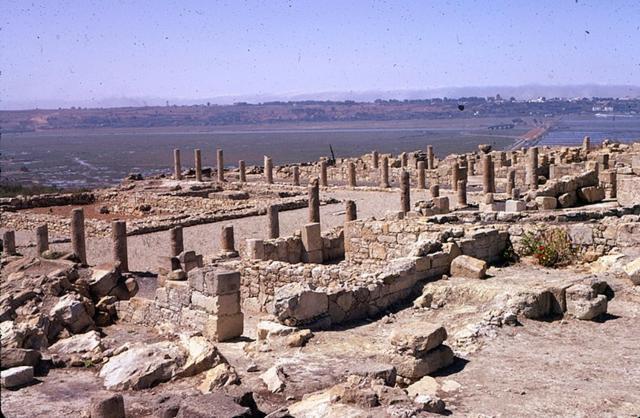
(304, 111)
(524, 92)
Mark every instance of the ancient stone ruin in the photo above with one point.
(381, 285)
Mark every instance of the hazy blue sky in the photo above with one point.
(90, 52)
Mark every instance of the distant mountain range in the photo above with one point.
(524, 92)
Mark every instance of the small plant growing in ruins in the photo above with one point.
(88, 363)
(550, 247)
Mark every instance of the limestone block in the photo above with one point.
(414, 368)
(109, 406)
(178, 293)
(627, 189)
(255, 249)
(16, 376)
(633, 271)
(102, 282)
(14, 357)
(224, 327)
(226, 304)
(584, 303)
(222, 282)
(546, 202)
(417, 341)
(311, 237)
(441, 204)
(591, 194)
(515, 206)
(466, 266)
(567, 200)
(635, 164)
(266, 330)
(296, 303)
(189, 260)
(440, 260)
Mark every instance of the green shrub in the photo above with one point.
(550, 247)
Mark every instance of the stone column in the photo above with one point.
(421, 176)
(532, 168)
(502, 158)
(384, 172)
(603, 159)
(268, 170)
(296, 175)
(514, 158)
(430, 157)
(455, 175)
(471, 166)
(586, 144)
(487, 174)
(511, 181)
(220, 162)
(9, 242)
(314, 200)
(434, 189)
(274, 221)
(463, 172)
(462, 193)
(375, 158)
(488, 198)
(352, 174)
(515, 193)
(198, 163)
(77, 235)
(177, 166)
(243, 171)
(405, 192)
(227, 240)
(323, 173)
(611, 186)
(42, 239)
(119, 240)
(351, 213)
(403, 160)
(177, 241)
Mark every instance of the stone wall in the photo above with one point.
(292, 250)
(46, 200)
(209, 302)
(354, 290)
(394, 237)
(599, 237)
(300, 303)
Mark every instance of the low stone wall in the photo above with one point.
(393, 237)
(291, 249)
(354, 290)
(598, 237)
(46, 200)
(298, 303)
